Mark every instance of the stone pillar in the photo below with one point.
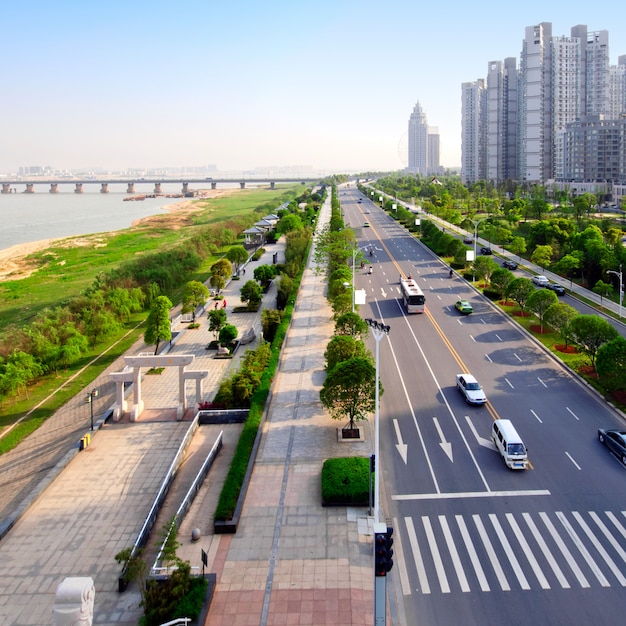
(185, 187)
(182, 396)
(6, 188)
(79, 188)
(130, 188)
(73, 602)
(137, 409)
(157, 187)
(30, 188)
(104, 188)
(54, 188)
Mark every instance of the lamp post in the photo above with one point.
(619, 275)
(476, 223)
(381, 532)
(89, 399)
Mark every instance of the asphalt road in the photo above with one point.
(475, 540)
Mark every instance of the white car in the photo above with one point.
(540, 281)
(471, 390)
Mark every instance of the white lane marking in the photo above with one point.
(434, 550)
(508, 382)
(401, 562)
(541, 381)
(472, 338)
(582, 549)
(569, 456)
(498, 337)
(605, 531)
(546, 551)
(572, 412)
(470, 494)
(401, 447)
(491, 553)
(517, 570)
(536, 416)
(471, 550)
(600, 548)
(517, 357)
(488, 358)
(564, 551)
(446, 446)
(528, 553)
(456, 561)
(417, 556)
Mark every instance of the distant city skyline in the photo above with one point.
(246, 86)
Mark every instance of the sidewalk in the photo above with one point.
(291, 562)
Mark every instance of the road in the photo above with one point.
(474, 539)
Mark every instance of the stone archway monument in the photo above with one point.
(132, 373)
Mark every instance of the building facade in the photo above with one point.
(473, 131)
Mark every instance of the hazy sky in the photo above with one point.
(248, 83)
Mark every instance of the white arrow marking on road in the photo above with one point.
(446, 446)
(486, 443)
(400, 447)
(383, 292)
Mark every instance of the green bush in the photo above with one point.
(346, 481)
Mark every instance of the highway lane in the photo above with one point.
(472, 536)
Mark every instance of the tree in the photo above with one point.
(284, 289)
(270, 321)
(218, 282)
(590, 332)
(539, 302)
(289, 223)
(158, 327)
(519, 290)
(264, 274)
(252, 294)
(217, 319)
(195, 294)
(518, 246)
(237, 255)
(228, 334)
(222, 268)
(568, 264)
(559, 315)
(342, 348)
(501, 279)
(542, 256)
(602, 289)
(349, 390)
(484, 267)
(611, 364)
(351, 324)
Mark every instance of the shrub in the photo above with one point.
(345, 481)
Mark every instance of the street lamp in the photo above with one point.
(89, 399)
(476, 223)
(381, 532)
(619, 275)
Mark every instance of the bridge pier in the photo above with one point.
(6, 188)
(130, 188)
(242, 184)
(79, 188)
(104, 188)
(157, 187)
(213, 185)
(185, 187)
(30, 188)
(272, 185)
(54, 188)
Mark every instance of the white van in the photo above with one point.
(509, 444)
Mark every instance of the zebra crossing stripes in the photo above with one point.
(517, 551)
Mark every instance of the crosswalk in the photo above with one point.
(524, 551)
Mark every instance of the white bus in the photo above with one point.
(412, 296)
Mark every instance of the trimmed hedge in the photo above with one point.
(345, 481)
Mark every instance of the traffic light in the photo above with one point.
(383, 552)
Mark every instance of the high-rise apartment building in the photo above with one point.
(560, 81)
(433, 161)
(473, 131)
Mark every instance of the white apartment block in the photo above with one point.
(473, 131)
(418, 141)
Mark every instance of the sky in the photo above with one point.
(249, 84)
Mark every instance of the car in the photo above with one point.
(366, 212)
(471, 390)
(366, 225)
(559, 290)
(468, 240)
(510, 265)
(359, 200)
(463, 306)
(615, 441)
(540, 281)
(485, 250)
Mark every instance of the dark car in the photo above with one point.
(468, 240)
(559, 290)
(510, 265)
(485, 250)
(615, 441)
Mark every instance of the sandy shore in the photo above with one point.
(13, 260)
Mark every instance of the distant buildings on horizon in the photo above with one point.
(557, 119)
(423, 145)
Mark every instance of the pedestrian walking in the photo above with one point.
(244, 271)
(224, 305)
(216, 304)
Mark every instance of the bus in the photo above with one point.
(412, 296)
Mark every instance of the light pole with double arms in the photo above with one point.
(619, 275)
